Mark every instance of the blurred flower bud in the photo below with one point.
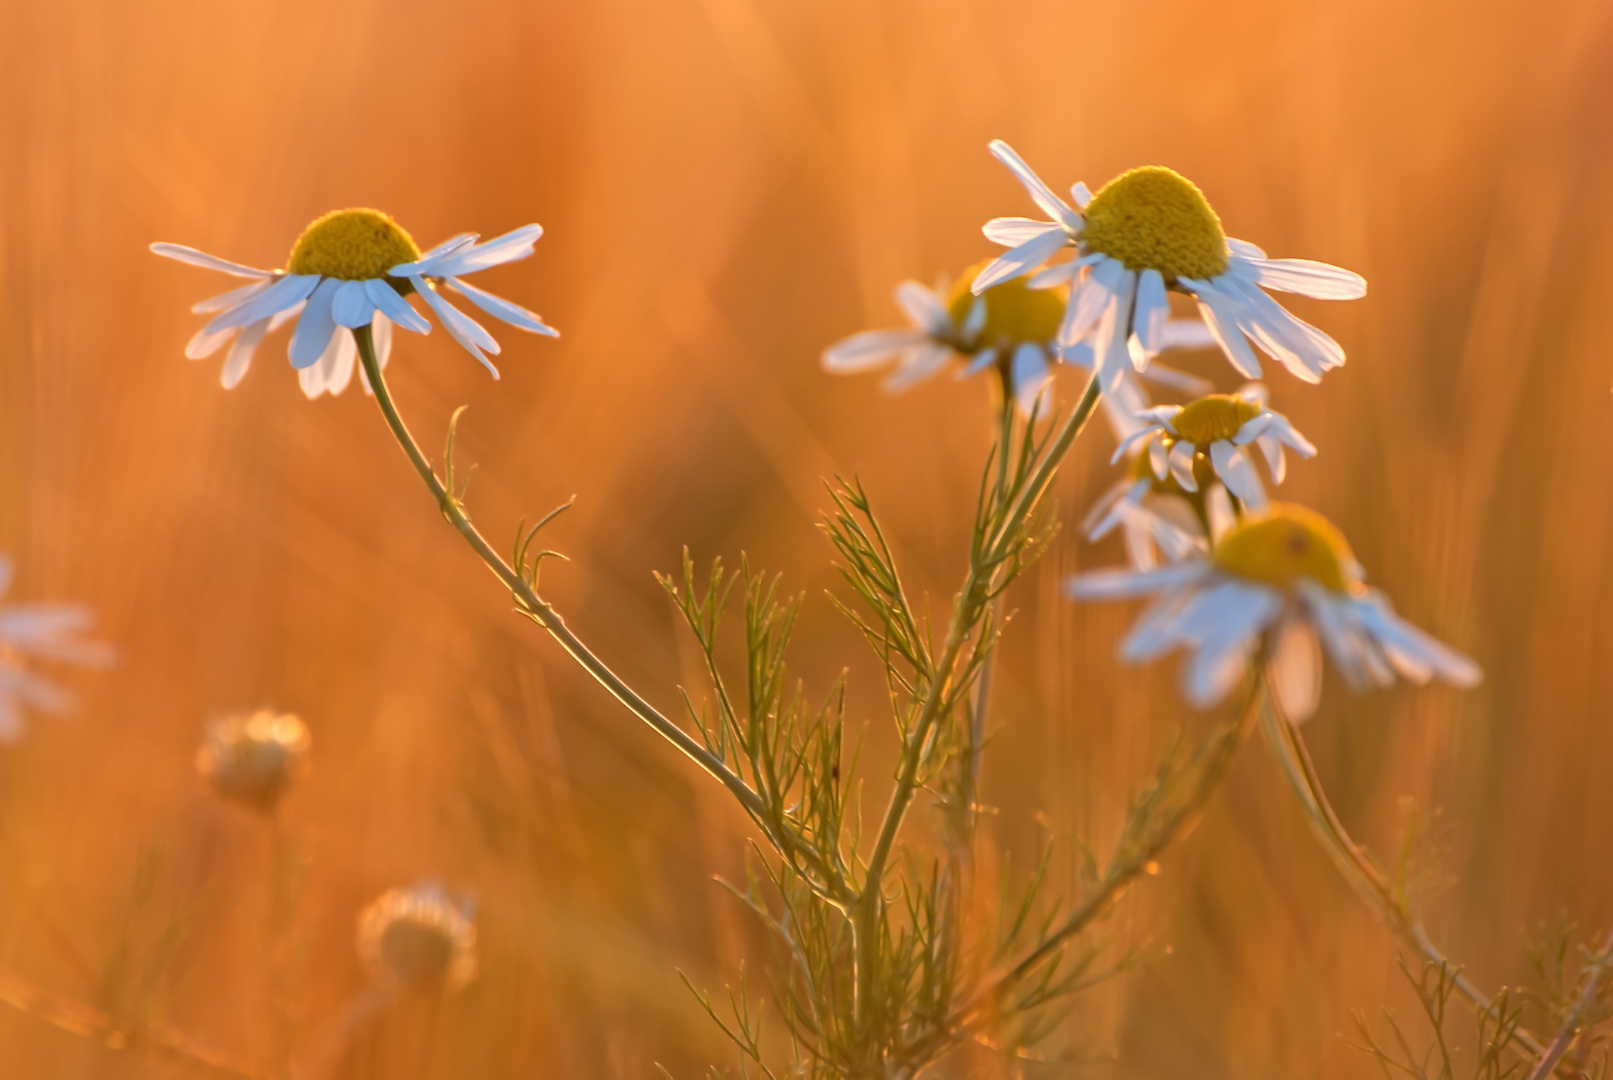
(253, 759)
(419, 937)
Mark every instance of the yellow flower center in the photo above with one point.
(353, 245)
(1213, 417)
(1288, 542)
(1015, 312)
(1155, 218)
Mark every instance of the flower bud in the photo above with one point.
(253, 759)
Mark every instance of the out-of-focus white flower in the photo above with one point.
(1012, 328)
(1218, 428)
(254, 758)
(351, 269)
(1282, 577)
(419, 937)
(30, 632)
(1155, 513)
(1148, 231)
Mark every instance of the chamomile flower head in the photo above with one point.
(353, 269)
(1217, 430)
(254, 758)
(1012, 327)
(419, 938)
(34, 632)
(1271, 585)
(1147, 232)
(1156, 514)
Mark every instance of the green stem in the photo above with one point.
(1356, 865)
(534, 605)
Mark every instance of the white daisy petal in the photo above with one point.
(1126, 584)
(387, 300)
(511, 247)
(206, 342)
(1159, 459)
(982, 360)
(1013, 231)
(1275, 460)
(1020, 261)
(1153, 310)
(286, 293)
(1109, 342)
(1221, 316)
(869, 349)
(351, 306)
(1040, 193)
(1181, 463)
(229, 299)
(917, 363)
(500, 308)
(1030, 375)
(315, 328)
(1295, 670)
(1415, 654)
(924, 309)
(1315, 279)
(381, 338)
(461, 327)
(240, 355)
(1186, 334)
(1080, 195)
(1179, 381)
(341, 372)
(1051, 276)
(1090, 299)
(191, 256)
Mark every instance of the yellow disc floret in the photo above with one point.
(1155, 218)
(1015, 312)
(1286, 542)
(353, 245)
(1213, 417)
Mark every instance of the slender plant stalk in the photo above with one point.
(1570, 1029)
(533, 604)
(1357, 866)
(76, 1018)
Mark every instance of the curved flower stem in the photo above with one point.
(1357, 866)
(534, 605)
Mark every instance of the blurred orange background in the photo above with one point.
(727, 187)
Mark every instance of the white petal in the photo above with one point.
(1306, 351)
(7, 569)
(1307, 278)
(1253, 428)
(1159, 459)
(1180, 381)
(351, 306)
(1218, 511)
(1153, 309)
(869, 349)
(1220, 315)
(206, 342)
(975, 321)
(1078, 355)
(1181, 463)
(924, 309)
(500, 308)
(315, 328)
(1040, 193)
(396, 308)
(1080, 194)
(1295, 670)
(381, 338)
(512, 246)
(917, 363)
(1126, 584)
(1090, 299)
(341, 372)
(240, 356)
(1186, 334)
(1275, 461)
(1030, 375)
(982, 360)
(1109, 342)
(1416, 655)
(1013, 231)
(193, 257)
(229, 299)
(461, 327)
(1021, 260)
(286, 293)
(1050, 277)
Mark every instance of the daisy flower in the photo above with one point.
(254, 758)
(419, 937)
(1218, 428)
(1148, 231)
(1012, 328)
(1156, 514)
(1270, 586)
(352, 269)
(31, 632)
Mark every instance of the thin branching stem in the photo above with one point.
(1596, 967)
(533, 605)
(1358, 867)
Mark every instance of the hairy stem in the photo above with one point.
(534, 605)
(1357, 866)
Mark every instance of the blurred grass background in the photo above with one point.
(728, 186)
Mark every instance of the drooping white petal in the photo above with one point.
(924, 309)
(1415, 654)
(351, 306)
(1253, 428)
(1244, 248)
(1306, 351)
(1295, 669)
(1221, 316)
(1030, 375)
(500, 308)
(341, 371)
(975, 321)
(1090, 299)
(982, 360)
(381, 338)
(229, 299)
(1040, 193)
(1101, 518)
(1234, 469)
(869, 349)
(1179, 381)
(1049, 277)
(1109, 343)
(1181, 464)
(1218, 512)
(1305, 277)
(315, 328)
(1275, 460)
(206, 342)
(1285, 431)
(511, 247)
(1153, 311)
(190, 255)
(1080, 195)
(1020, 261)
(1186, 334)
(396, 308)
(240, 355)
(917, 363)
(461, 327)
(286, 293)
